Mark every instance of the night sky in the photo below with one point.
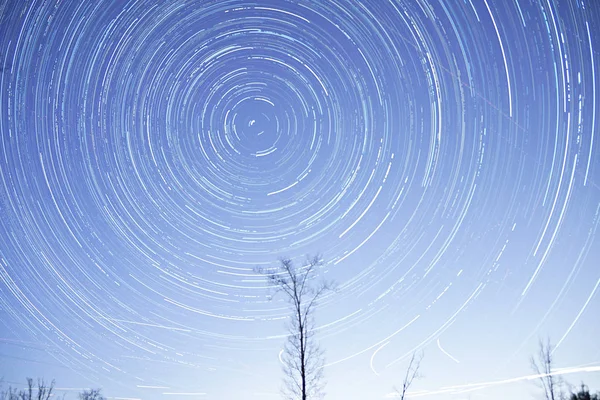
(443, 156)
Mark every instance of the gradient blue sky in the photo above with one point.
(442, 156)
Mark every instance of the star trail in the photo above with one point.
(441, 156)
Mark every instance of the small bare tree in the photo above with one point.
(9, 394)
(91, 394)
(44, 391)
(412, 372)
(303, 359)
(543, 366)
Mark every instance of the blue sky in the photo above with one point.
(441, 156)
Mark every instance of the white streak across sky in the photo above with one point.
(442, 156)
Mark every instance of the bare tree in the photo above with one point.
(44, 391)
(303, 359)
(9, 394)
(543, 366)
(91, 394)
(412, 372)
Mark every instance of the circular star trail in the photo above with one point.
(441, 156)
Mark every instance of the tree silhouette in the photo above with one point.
(412, 372)
(543, 366)
(9, 394)
(91, 394)
(303, 359)
(584, 394)
(43, 392)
